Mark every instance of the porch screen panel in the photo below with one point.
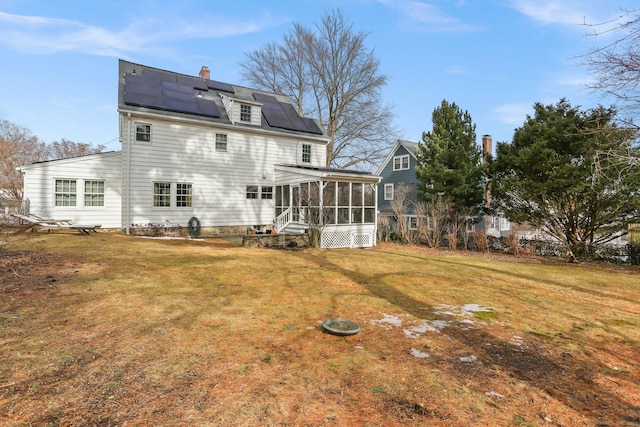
(344, 192)
(369, 204)
(329, 202)
(356, 203)
(314, 203)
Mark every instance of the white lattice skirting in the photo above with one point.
(346, 239)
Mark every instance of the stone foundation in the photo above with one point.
(274, 241)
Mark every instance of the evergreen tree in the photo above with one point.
(566, 174)
(450, 162)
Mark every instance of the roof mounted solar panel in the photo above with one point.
(141, 100)
(312, 126)
(176, 87)
(261, 97)
(208, 107)
(141, 80)
(179, 96)
(182, 106)
(296, 120)
(143, 90)
(193, 82)
(160, 75)
(224, 87)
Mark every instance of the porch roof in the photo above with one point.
(334, 174)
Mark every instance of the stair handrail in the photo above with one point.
(283, 220)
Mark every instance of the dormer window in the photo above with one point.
(245, 113)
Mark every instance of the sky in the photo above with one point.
(493, 58)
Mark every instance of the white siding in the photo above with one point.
(185, 153)
(39, 183)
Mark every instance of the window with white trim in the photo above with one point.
(388, 191)
(245, 113)
(65, 192)
(184, 195)
(252, 191)
(162, 194)
(143, 132)
(221, 142)
(401, 162)
(412, 222)
(266, 192)
(306, 153)
(93, 193)
(470, 226)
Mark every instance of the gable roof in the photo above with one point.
(411, 147)
(147, 89)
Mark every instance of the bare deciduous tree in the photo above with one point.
(18, 146)
(431, 221)
(331, 75)
(65, 149)
(616, 65)
(400, 206)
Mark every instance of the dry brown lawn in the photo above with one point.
(111, 330)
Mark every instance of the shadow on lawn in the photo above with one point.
(563, 376)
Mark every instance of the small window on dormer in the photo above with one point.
(245, 113)
(143, 132)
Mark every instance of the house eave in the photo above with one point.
(330, 174)
(204, 121)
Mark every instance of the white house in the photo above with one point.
(231, 156)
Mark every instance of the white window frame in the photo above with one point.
(401, 162)
(159, 195)
(245, 113)
(252, 192)
(388, 191)
(470, 226)
(412, 222)
(221, 142)
(68, 193)
(94, 197)
(306, 153)
(142, 137)
(184, 199)
(266, 192)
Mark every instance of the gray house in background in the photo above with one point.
(399, 167)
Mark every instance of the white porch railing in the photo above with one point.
(283, 220)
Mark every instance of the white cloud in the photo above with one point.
(564, 12)
(426, 17)
(44, 35)
(513, 114)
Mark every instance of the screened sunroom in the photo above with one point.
(338, 204)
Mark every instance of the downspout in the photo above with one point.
(127, 180)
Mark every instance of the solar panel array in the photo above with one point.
(282, 115)
(168, 91)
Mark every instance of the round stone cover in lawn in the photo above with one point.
(340, 327)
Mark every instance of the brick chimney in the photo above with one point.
(205, 73)
(487, 147)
